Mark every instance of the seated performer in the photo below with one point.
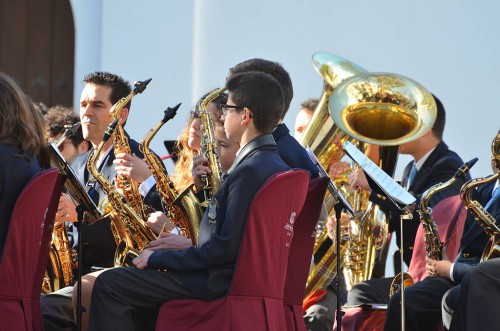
(304, 115)
(22, 136)
(460, 304)
(433, 163)
(423, 300)
(255, 103)
(101, 91)
(56, 119)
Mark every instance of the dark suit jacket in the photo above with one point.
(15, 173)
(207, 270)
(292, 152)
(474, 239)
(98, 242)
(439, 167)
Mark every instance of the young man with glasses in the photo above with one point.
(202, 272)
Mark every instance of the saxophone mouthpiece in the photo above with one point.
(170, 113)
(110, 129)
(139, 86)
(465, 167)
(73, 129)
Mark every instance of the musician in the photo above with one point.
(304, 116)
(255, 103)
(289, 149)
(56, 120)
(433, 163)
(423, 300)
(22, 136)
(460, 304)
(101, 91)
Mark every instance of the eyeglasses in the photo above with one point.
(227, 108)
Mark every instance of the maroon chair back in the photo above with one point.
(301, 251)
(255, 299)
(26, 252)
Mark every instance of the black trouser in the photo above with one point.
(129, 298)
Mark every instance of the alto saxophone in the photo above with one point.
(131, 234)
(129, 187)
(184, 210)
(212, 181)
(481, 216)
(434, 245)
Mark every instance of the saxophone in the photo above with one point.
(129, 187)
(62, 257)
(212, 181)
(184, 210)
(129, 230)
(482, 217)
(434, 245)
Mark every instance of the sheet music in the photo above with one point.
(384, 181)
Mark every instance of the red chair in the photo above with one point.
(26, 251)
(449, 215)
(255, 299)
(301, 251)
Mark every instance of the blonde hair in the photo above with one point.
(182, 176)
(21, 125)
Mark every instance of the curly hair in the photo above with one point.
(182, 176)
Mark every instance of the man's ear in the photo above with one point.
(246, 117)
(124, 115)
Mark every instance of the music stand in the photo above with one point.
(86, 210)
(403, 200)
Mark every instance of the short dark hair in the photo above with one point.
(310, 104)
(260, 93)
(120, 88)
(438, 127)
(58, 117)
(272, 68)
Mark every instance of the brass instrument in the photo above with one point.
(434, 245)
(211, 181)
(131, 234)
(129, 187)
(184, 210)
(62, 257)
(316, 137)
(483, 217)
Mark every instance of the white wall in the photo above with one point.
(187, 47)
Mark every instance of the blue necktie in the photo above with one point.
(411, 177)
(495, 198)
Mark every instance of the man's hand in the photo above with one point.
(132, 166)
(200, 167)
(438, 268)
(170, 241)
(66, 211)
(141, 262)
(338, 168)
(157, 220)
(357, 179)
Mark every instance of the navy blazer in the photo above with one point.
(292, 152)
(439, 167)
(474, 239)
(98, 243)
(207, 270)
(15, 172)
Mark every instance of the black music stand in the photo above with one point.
(86, 210)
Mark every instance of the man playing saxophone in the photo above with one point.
(423, 300)
(101, 91)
